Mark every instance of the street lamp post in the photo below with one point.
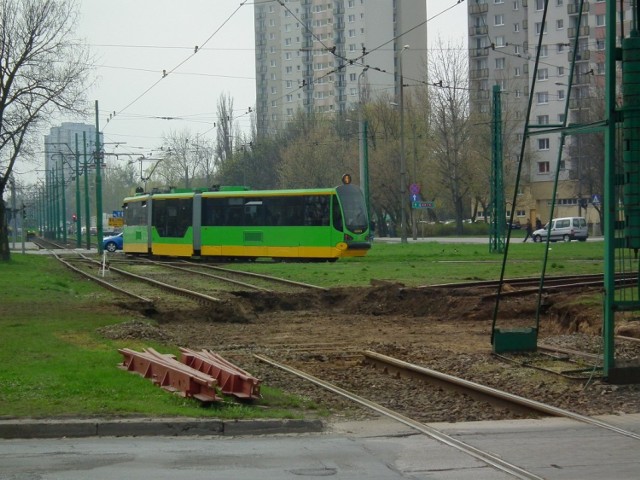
(403, 166)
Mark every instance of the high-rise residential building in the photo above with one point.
(60, 145)
(503, 44)
(323, 56)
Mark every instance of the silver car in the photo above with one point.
(565, 229)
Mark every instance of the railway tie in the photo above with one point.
(231, 379)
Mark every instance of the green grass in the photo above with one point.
(429, 263)
(55, 363)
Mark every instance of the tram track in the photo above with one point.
(409, 372)
(129, 291)
(484, 456)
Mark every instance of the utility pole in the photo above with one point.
(78, 206)
(98, 185)
(403, 166)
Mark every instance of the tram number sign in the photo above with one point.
(422, 205)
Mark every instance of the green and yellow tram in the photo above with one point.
(235, 223)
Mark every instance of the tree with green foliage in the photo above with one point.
(43, 70)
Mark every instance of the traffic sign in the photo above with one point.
(595, 199)
(414, 188)
(422, 205)
(118, 214)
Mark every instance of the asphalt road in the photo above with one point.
(384, 449)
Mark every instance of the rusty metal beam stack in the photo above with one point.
(165, 371)
(198, 374)
(231, 379)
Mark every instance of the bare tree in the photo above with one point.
(43, 70)
(181, 162)
(451, 124)
(225, 129)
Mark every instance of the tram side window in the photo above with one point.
(337, 215)
(172, 217)
(290, 211)
(135, 213)
(293, 211)
(213, 211)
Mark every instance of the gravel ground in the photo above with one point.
(324, 334)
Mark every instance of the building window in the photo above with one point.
(500, 62)
(543, 167)
(543, 119)
(600, 21)
(543, 74)
(560, 24)
(500, 41)
(516, 27)
(516, 72)
(498, 20)
(539, 4)
(561, 71)
(560, 94)
(543, 144)
(539, 28)
(543, 97)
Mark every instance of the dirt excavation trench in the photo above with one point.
(324, 333)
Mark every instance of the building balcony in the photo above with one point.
(584, 32)
(481, 30)
(582, 56)
(481, 95)
(574, 8)
(479, 8)
(478, 52)
(479, 73)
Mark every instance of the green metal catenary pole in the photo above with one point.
(98, 184)
(78, 207)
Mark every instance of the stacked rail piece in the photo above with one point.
(198, 375)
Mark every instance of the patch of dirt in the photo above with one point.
(325, 332)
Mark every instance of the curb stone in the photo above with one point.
(152, 427)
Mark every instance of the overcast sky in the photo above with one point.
(133, 42)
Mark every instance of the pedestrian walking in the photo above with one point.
(528, 229)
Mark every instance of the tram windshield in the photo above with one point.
(353, 207)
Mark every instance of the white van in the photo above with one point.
(565, 229)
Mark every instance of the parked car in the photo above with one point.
(112, 243)
(565, 229)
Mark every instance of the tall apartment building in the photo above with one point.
(312, 55)
(503, 43)
(60, 145)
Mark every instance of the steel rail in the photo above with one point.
(260, 275)
(102, 282)
(434, 433)
(533, 281)
(171, 288)
(210, 275)
(471, 388)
